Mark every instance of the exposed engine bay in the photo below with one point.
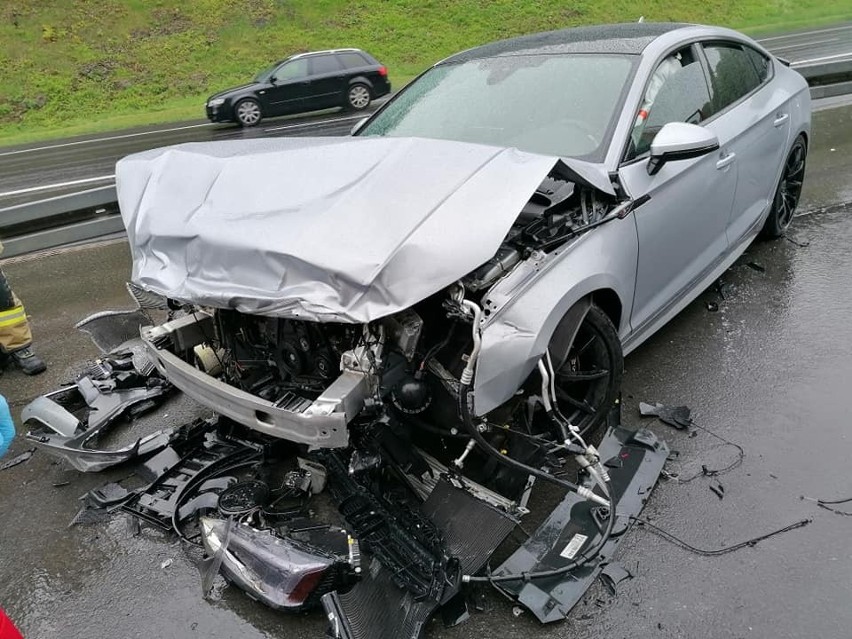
(348, 465)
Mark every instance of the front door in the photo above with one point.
(289, 89)
(681, 228)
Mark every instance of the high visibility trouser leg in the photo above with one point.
(14, 327)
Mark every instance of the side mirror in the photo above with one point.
(680, 141)
(358, 125)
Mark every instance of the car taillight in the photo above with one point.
(383, 71)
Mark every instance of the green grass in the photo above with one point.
(81, 66)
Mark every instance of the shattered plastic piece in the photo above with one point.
(711, 306)
(90, 515)
(107, 495)
(455, 611)
(613, 574)
(717, 488)
(166, 564)
(110, 329)
(677, 416)
(376, 608)
(275, 570)
(552, 599)
(18, 459)
(112, 392)
(760, 268)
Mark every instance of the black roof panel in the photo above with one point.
(629, 38)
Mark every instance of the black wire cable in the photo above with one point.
(713, 472)
(720, 551)
(827, 505)
(486, 447)
(835, 502)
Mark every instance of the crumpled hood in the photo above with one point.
(322, 229)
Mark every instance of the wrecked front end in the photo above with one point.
(335, 324)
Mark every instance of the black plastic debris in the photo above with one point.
(18, 459)
(711, 306)
(576, 525)
(717, 488)
(756, 266)
(613, 574)
(677, 416)
(378, 608)
(67, 423)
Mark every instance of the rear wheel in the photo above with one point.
(358, 97)
(589, 379)
(248, 112)
(788, 192)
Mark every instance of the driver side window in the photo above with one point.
(292, 70)
(676, 92)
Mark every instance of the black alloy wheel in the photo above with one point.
(788, 192)
(589, 380)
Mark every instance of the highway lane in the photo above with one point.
(36, 171)
(812, 46)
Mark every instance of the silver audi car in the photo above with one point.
(484, 249)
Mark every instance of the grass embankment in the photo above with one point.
(81, 66)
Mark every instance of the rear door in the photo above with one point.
(750, 115)
(290, 88)
(327, 81)
(682, 226)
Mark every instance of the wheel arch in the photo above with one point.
(361, 79)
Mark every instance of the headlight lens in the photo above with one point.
(216, 102)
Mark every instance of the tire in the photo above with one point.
(247, 112)
(787, 192)
(589, 380)
(358, 97)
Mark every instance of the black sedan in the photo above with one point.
(348, 78)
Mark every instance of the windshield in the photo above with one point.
(550, 104)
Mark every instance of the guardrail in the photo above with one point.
(91, 214)
(60, 220)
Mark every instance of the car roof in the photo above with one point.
(629, 38)
(310, 53)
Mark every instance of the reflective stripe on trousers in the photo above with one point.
(14, 329)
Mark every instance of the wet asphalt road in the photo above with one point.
(769, 370)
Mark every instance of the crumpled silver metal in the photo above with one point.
(320, 229)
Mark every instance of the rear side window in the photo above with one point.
(352, 60)
(761, 63)
(732, 75)
(324, 64)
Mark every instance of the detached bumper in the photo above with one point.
(321, 423)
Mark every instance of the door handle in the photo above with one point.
(726, 160)
(780, 119)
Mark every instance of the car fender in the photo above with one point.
(361, 79)
(524, 309)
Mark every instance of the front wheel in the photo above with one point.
(248, 112)
(358, 97)
(788, 191)
(589, 379)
